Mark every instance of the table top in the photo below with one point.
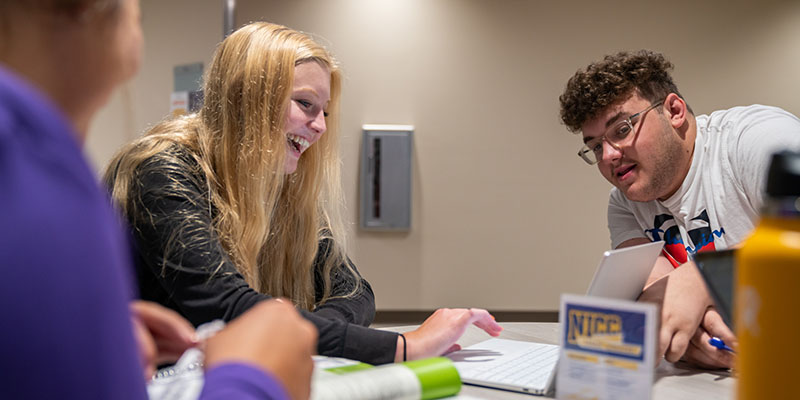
(672, 381)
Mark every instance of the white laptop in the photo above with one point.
(530, 367)
(622, 273)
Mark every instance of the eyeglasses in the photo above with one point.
(592, 151)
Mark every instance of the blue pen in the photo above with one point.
(718, 343)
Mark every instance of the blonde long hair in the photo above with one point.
(269, 223)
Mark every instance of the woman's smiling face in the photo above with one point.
(305, 120)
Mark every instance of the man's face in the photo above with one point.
(646, 165)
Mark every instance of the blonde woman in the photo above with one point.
(241, 202)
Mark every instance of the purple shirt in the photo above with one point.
(66, 273)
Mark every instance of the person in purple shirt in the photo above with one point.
(70, 328)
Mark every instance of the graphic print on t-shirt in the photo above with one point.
(701, 237)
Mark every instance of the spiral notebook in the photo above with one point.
(530, 367)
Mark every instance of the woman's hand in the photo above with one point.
(439, 333)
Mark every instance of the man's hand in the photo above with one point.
(273, 336)
(701, 353)
(439, 333)
(684, 300)
(162, 334)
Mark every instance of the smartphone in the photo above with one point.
(719, 272)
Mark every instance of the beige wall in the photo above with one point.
(505, 215)
(175, 32)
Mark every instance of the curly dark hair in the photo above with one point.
(607, 82)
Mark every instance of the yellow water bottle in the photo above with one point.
(767, 304)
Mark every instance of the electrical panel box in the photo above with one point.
(385, 177)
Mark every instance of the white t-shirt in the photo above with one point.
(717, 205)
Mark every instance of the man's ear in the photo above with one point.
(675, 110)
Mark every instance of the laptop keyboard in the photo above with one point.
(532, 368)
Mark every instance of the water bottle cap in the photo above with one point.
(784, 174)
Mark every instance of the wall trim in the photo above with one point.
(417, 316)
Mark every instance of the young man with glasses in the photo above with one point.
(694, 182)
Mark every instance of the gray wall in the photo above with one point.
(505, 215)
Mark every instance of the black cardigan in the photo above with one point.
(201, 282)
